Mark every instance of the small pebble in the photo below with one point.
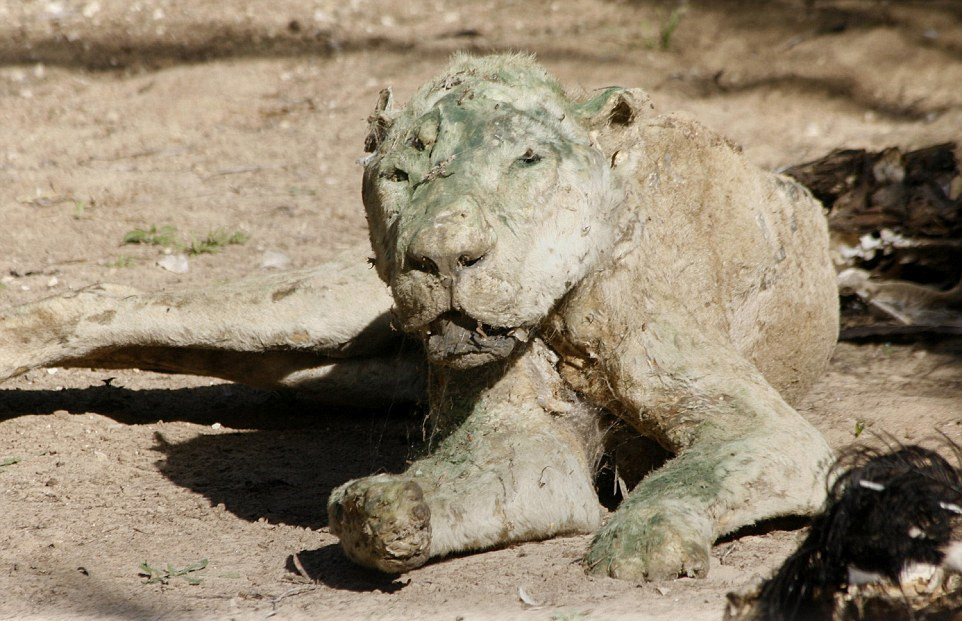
(176, 263)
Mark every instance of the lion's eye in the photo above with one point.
(394, 174)
(529, 157)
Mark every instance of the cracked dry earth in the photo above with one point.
(248, 116)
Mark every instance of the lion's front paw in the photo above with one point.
(383, 522)
(651, 545)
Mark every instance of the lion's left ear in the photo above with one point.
(614, 107)
(610, 115)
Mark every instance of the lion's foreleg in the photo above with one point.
(743, 455)
(484, 489)
(511, 471)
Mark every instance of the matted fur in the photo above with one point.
(561, 260)
(621, 262)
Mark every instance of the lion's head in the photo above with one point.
(488, 197)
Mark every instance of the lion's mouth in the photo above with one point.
(456, 340)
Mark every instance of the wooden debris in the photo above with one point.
(896, 220)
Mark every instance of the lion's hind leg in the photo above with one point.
(55, 330)
(324, 331)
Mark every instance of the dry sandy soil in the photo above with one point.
(249, 115)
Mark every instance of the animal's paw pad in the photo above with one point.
(659, 546)
(382, 522)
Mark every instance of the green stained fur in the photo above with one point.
(624, 250)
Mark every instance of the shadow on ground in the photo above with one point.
(330, 567)
(276, 456)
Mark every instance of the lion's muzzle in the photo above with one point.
(453, 238)
(458, 341)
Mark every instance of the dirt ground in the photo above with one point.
(246, 115)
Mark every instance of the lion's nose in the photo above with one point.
(451, 242)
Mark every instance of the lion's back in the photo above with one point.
(745, 250)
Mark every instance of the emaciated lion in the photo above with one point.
(563, 261)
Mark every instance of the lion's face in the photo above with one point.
(485, 210)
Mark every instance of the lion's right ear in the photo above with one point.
(380, 121)
(614, 108)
